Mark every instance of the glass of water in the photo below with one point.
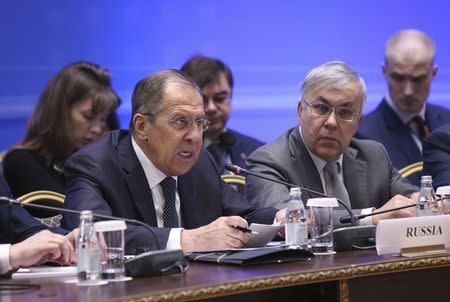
(321, 224)
(111, 240)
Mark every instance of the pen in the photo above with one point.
(245, 230)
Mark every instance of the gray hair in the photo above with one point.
(149, 92)
(334, 74)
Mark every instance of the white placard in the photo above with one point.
(322, 202)
(392, 235)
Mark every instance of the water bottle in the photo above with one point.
(88, 250)
(427, 204)
(296, 224)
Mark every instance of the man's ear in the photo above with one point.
(299, 110)
(140, 126)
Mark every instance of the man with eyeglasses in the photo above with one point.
(321, 155)
(404, 118)
(216, 83)
(158, 173)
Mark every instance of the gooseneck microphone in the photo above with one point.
(11, 201)
(241, 171)
(150, 263)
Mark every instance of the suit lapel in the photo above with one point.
(137, 181)
(355, 178)
(190, 213)
(400, 135)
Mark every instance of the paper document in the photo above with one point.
(45, 271)
(266, 232)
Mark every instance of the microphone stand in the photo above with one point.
(345, 238)
(240, 171)
(151, 263)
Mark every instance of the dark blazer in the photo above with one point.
(242, 148)
(436, 156)
(16, 224)
(107, 178)
(369, 176)
(384, 125)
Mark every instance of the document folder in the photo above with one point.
(252, 256)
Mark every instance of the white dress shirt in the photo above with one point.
(406, 118)
(154, 177)
(320, 164)
(5, 265)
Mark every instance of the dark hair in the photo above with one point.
(48, 125)
(149, 92)
(205, 70)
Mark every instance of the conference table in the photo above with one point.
(346, 276)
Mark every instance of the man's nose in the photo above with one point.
(408, 88)
(209, 105)
(331, 119)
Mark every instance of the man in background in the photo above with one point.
(404, 118)
(216, 83)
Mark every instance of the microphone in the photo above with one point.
(346, 238)
(241, 171)
(149, 264)
(361, 216)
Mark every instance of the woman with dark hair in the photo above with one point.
(71, 112)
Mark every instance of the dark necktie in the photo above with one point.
(170, 216)
(421, 127)
(334, 184)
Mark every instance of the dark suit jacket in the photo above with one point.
(242, 148)
(369, 176)
(107, 178)
(16, 224)
(384, 125)
(436, 156)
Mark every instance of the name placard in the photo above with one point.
(415, 234)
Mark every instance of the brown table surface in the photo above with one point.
(203, 281)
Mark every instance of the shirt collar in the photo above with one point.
(318, 162)
(153, 174)
(405, 117)
(207, 141)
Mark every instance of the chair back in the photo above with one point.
(45, 197)
(416, 167)
(232, 179)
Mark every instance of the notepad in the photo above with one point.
(266, 232)
(44, 271)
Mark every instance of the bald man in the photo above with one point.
(404, 118)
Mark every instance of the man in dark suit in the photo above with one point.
(404, 118)
(31, 242)
(436, 156)
(321, 155)
(216, 83)
(158, 173)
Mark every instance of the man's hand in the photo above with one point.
(41, 247)
(395, 202)
(219, 234)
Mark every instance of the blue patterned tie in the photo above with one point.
(170, 216)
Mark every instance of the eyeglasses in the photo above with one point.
(184, 123)
(343, 113)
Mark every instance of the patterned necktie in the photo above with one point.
(170, 216)
(421, 127)
(334, 184)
